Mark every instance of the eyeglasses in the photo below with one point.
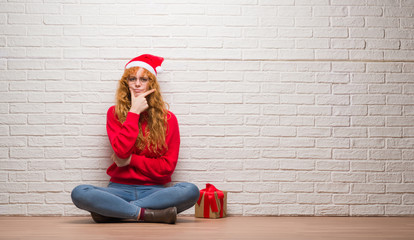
(141, 80)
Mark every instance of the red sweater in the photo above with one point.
(145, 168)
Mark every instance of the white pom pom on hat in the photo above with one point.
(150, 62)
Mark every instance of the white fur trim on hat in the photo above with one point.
(141, 64)
(159, 69)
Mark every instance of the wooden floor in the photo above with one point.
(256, 228)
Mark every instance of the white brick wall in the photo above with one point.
(295, 107)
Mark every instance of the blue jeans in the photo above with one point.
(125, 201)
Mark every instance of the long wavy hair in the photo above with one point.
(156, 115)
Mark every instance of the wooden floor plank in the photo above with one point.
(256, 228)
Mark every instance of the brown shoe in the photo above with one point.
(168, 215)
(98, 218)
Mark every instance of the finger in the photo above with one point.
(147, 93)
(132, 93)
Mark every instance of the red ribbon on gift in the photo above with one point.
(210, 200)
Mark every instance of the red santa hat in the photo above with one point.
(150, 62)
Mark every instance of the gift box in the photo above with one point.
(212, 203)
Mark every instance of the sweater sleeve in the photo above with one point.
(163, 167)
(122, 136)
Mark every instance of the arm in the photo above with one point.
(164, 166)
(122, 136)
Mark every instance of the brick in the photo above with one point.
(408, 198)
(295, 33)
(225, 165)
(331, 210)
(350, 110)
(349, 154)
(369, 55)
(332, 121)
(332, 187)
(332, 165)
(368, 143)
(226, 120)
(314, 198)
(242, 154)
(260, 210)
(313, 153)
(245, 176)
(330, 32)
(13, 165)
(349, 199)
(278, 131)
(264, 164)
(368, 100)
(297, 187)
(27, 108)
(314, 22)
(399, 166)
(48, 210)
(313, 177)
(399, 78)
(13, 141)
(296, 210)
(45, 141)
(278, 88)
(262, 188)
(235, 43)
(350, 89)
(384, 199)
(279, 110)
(369, 166)
(26, 153)
(13, 187)
(297, 99)
(62, 176)
(348, 177)
(330, 11)
(356, 210)
(278, 198)
(26, 198)
(13, 209)
(368, 78)
(260, 55)
(278, 176)
(298, 165)
(296, 142)
(314, 132)
(294, 121)
(359, 121)
(332, 100)
(399, 210)
(384, 177)
(399, 121)
(384, 110)
(401, 143)
(367, 188)
(45, 164)
(58, 198)
(245, 198)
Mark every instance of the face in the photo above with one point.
(138, 83)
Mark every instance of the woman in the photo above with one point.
(146, 140)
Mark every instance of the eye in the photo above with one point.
(143, 80)
(132, 79)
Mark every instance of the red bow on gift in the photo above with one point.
(209, 200)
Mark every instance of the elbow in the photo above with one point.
(120, 153)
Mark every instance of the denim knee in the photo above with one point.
(78, 193)
(192, 191)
